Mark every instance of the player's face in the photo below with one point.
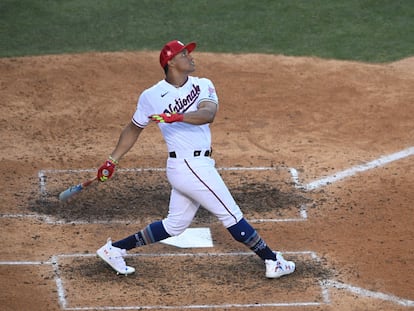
(184, 61)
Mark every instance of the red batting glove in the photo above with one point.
(106, 170)
(167, 117)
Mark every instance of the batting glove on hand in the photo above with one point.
(167, 117)
(106, 170)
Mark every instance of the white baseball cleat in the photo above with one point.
(113, 256)
(279, 267)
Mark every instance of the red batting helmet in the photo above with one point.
(173, 48)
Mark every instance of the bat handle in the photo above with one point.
(88, 182)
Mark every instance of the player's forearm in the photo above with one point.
(127, 139)
(205, 114)
(201, 116)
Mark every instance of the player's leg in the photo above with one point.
(181, 212)
(209, 189)
(180, 215)
(212, 193)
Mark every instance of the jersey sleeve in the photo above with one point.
(140, 117)
(208, 92)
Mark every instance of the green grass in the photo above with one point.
(363, 30)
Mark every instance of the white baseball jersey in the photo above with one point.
(194, 179)
(164, 97)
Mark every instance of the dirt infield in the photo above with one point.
(330, 149)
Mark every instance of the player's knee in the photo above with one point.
(174, 228)
(227, 219)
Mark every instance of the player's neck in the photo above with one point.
(176, 80)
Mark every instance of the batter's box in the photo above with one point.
(202, 280)
(264, 194)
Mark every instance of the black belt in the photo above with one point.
(196, 153)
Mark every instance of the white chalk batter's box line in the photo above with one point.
(325, 285)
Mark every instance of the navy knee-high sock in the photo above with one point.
(246, 234)
(152, 233)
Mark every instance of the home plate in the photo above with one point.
(191, 237)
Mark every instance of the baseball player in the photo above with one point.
(183, 106)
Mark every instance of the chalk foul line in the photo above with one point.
(367, 293)
(351, 171)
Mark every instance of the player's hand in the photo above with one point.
(167, 117)
(106, 170)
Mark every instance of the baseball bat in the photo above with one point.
(71, 191)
